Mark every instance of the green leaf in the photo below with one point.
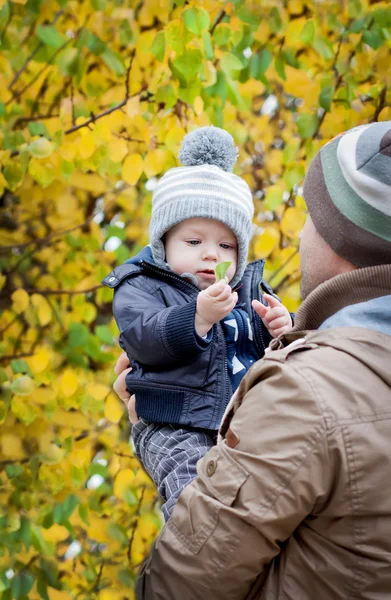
(69, 505)
(208, 45)
(38, 128)
(125, 33)
(275, 22)
(196, 20)
(259, 63)
(83, 513)
(42, 589)
(279, 65)
(307, 124)
(231, 64)
(189, 64)
(95, 44)
(273, 198)
(104, 334)
(4, 15)
(221, 270)
(308, 32)
(326, 97)
(21, 584)
(2, 109)
(68, 61)
(294, 175)
(166, 95)
(50, 36)
(114, 62)
(19, 365)
(158, 46)
(13, 140)
(78, 335)
(98, 4)
(373, 39)
(324, 47)
(222, 34)
(13, 471)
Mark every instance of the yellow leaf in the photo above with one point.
(174, 139)
(154, 162)
(86, 146)
(133, 107)
(3, 279)
(81, 457)
(69, 383)
(124, 480)
(23, 409)
(20, 301)
(114, 409)
(98, 391)
(19, 1)
(266, 242)
(385, 114)
(67, 151)
(118, 149)
(132, 168)
(90, 182)
(11, 446)
(198, 105)
(43, 309)
(55, 533)
(292, 222)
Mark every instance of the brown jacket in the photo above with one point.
(295, 502)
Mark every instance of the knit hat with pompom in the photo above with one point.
(204, 187)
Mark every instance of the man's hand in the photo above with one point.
(275, 317)
(121, 369)
(213, 304)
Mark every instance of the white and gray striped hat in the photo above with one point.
(204, 187)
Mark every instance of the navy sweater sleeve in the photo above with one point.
(152, 333)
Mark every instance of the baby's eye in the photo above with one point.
(226, 246)
(193, 242)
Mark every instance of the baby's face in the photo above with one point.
(197, 245)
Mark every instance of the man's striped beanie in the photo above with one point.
(348, 193)
(204, 187)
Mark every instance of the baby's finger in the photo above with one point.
(275, 313)
(276, 332)
(225, 294)
(277, 323)
(215, 289)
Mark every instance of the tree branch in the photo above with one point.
(381, 104)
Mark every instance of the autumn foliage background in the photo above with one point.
(95, 98)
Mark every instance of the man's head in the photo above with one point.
(197, 245)
(204, 188)
(348, 193)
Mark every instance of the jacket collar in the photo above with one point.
(331, 297)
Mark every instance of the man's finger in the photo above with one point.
(260, 308)
(121, 364)
(119, 386)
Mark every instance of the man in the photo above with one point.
(294, 502)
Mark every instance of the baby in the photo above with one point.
(189, 338)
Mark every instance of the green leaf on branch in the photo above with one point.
(326, 97)
(114, 62)
(222, 34)
(50, 36)
(221, 270)
(21, 584)
(373, 38)
(308, 32)
(158, 46)
(208, 45)
(307, 124)
(196, 20)
(259, 63)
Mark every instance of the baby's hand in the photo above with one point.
(275, 317)
(213, 304)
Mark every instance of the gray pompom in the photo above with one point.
(209, 146)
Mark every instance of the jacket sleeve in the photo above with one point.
(152, 333)
(169, 455)
(248, 498)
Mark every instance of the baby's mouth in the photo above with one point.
(207, 273)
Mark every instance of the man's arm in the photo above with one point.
(170, 455)
(252, 491)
